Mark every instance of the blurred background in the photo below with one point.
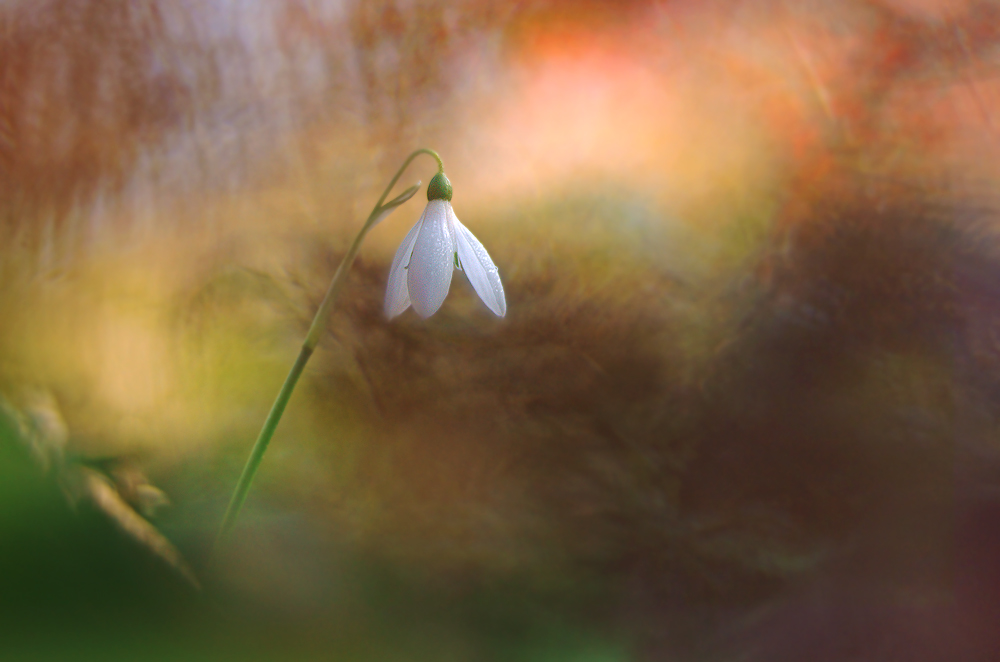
(744, 405)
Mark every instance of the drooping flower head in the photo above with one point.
(437, 245)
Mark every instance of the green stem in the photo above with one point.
(308, 346)
(257, 454)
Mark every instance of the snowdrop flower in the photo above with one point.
(436, 246)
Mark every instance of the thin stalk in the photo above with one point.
(379, 212)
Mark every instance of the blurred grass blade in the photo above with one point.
(97, 488)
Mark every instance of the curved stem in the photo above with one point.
(308, 346)
(399, 173)
(319, 322)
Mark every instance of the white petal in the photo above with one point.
(479, 267)
(433, 262)
(397, 299)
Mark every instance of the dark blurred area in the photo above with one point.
(744, 404)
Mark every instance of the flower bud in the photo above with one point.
(439, 188)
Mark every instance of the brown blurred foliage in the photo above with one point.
(81, 94)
